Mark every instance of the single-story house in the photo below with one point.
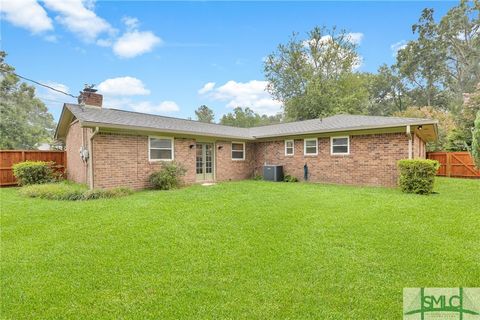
(109, 147)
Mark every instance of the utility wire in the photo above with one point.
(39, 83)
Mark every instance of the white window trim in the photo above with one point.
(166, 138)
(339, 153)
(293, 148)
(305, 147)
(244, 151)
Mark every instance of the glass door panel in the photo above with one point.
(204, 161)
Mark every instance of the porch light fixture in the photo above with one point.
(191, 146)
(420, 127)
(220, 147)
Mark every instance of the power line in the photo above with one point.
(39, 83)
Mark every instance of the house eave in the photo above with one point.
(147, 130)
(167, 131)
(355, 128)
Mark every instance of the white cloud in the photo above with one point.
(398, 46)
(52, 99)
(131, 23)
(207, 87)
(355, 37)
(78, 16)
(119, 94)
(134, 43)
(104, 42)
(127, 103)
(28, 14)
(123, 86)
(246, 94)
(162, 107)
(51, 94)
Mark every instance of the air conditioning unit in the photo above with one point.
(273, 173)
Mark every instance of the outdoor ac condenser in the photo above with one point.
(273, 173)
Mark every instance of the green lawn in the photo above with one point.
(247, 249)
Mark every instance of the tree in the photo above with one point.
(422, 61)
(204, 114)
(459, 33)
(24, 119)
(466, 117)
(313, 77)
(446, 123)
(387, 92)
(247, 118)
(476, 141)
(444, 61)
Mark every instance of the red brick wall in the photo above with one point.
(76, 138)
(228, 169)
(419, 147)
(122, 160)
(372, 160)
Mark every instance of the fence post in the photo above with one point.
(448, 165)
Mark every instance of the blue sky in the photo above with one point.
(170, 57)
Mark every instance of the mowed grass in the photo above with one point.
(238, 250)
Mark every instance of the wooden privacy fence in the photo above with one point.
(9, 157)
(455, 164)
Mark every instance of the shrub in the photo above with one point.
(55, 191)
(289, 178)
(71, 191)
(106, 193)
(257, 177)
(417, 176)
(33, 172)
(169, 177)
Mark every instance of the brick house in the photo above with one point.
(109, 147)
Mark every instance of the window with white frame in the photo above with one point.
(340, 145)
(289, 147)
(238, 150)
(160, 148)
(310, 146)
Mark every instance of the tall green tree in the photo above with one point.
(476, 141)
(247, 118)
(461, 138)
(444, 61)
(24, 119)
(422, 61)
(387, 92)
(205, 114)
(314, 77)
(459, 33)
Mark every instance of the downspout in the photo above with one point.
(410, 146)
(90, 158)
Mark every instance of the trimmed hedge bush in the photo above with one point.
(289, 178)
(417, 176)
(169, 177)
(33, 172)
(71, 191)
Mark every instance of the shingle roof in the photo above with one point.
(340, 122)
(155, 122)
(94, 116)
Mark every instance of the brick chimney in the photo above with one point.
(89, 97)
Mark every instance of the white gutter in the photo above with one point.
(410, 146)
(90, 158)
